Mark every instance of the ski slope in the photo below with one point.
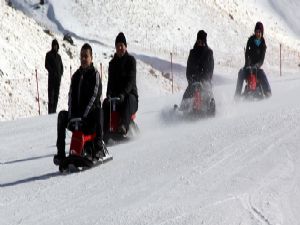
(241, 167)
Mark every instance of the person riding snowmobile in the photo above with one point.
(254, 57)
(200, 67)
(84, 103)
(121, 84)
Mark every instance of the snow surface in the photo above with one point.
(241, 167)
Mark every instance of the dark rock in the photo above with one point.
(68, 38)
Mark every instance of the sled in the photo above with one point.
(201, 104)
(82, 153)
(113, 135)
(253, 88)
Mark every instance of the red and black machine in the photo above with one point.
(82, 152)
(200, 104)
(253, 88)
(114, 122)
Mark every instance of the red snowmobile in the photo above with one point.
(113, 134)
(253, 88)
(201, 104)
(82, 153)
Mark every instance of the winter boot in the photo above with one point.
(122, 129)
(61, 155)
(58, 159)
(100, 150)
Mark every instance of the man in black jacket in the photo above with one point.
(84, 102)
(200, 66)
(55, 69)
(122, 84)
(254, 56)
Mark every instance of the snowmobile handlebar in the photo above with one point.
(75, 123)
(74, 120)
(251, 69)
(197, 83)
(114, 99)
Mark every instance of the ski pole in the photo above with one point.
(38, 95)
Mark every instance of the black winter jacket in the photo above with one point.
(85, 92)
(255, 55)
(122, 76)
(54, 64)
(200, 64)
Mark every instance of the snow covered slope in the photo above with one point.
(241, 167)
(153, 29)
(23, 46)
(164, 26)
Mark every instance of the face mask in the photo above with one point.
(257, 42)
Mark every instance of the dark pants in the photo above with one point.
(53, 93)
(261, 76)
(93, 124)
(126, 108)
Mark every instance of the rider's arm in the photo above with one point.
(131, 75)
(70, 98)
(109, 82)
(96, 94)
(210, 65)
(189, 73)
(247, 53)
(262, 56)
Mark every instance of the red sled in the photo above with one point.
(82, 153)
(253, 88)
(114, 123)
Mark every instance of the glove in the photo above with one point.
(256, 66)
(71, 126)
(76, 125)
(122, 97)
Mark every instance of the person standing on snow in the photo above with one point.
(254, 56)
(200, 66)
(84, 102)
(121, 84)
(55, 69)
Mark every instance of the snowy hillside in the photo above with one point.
(23, 46)
(164, 26)
(153, 29)
(240, 168)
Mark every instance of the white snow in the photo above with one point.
(241, 167)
